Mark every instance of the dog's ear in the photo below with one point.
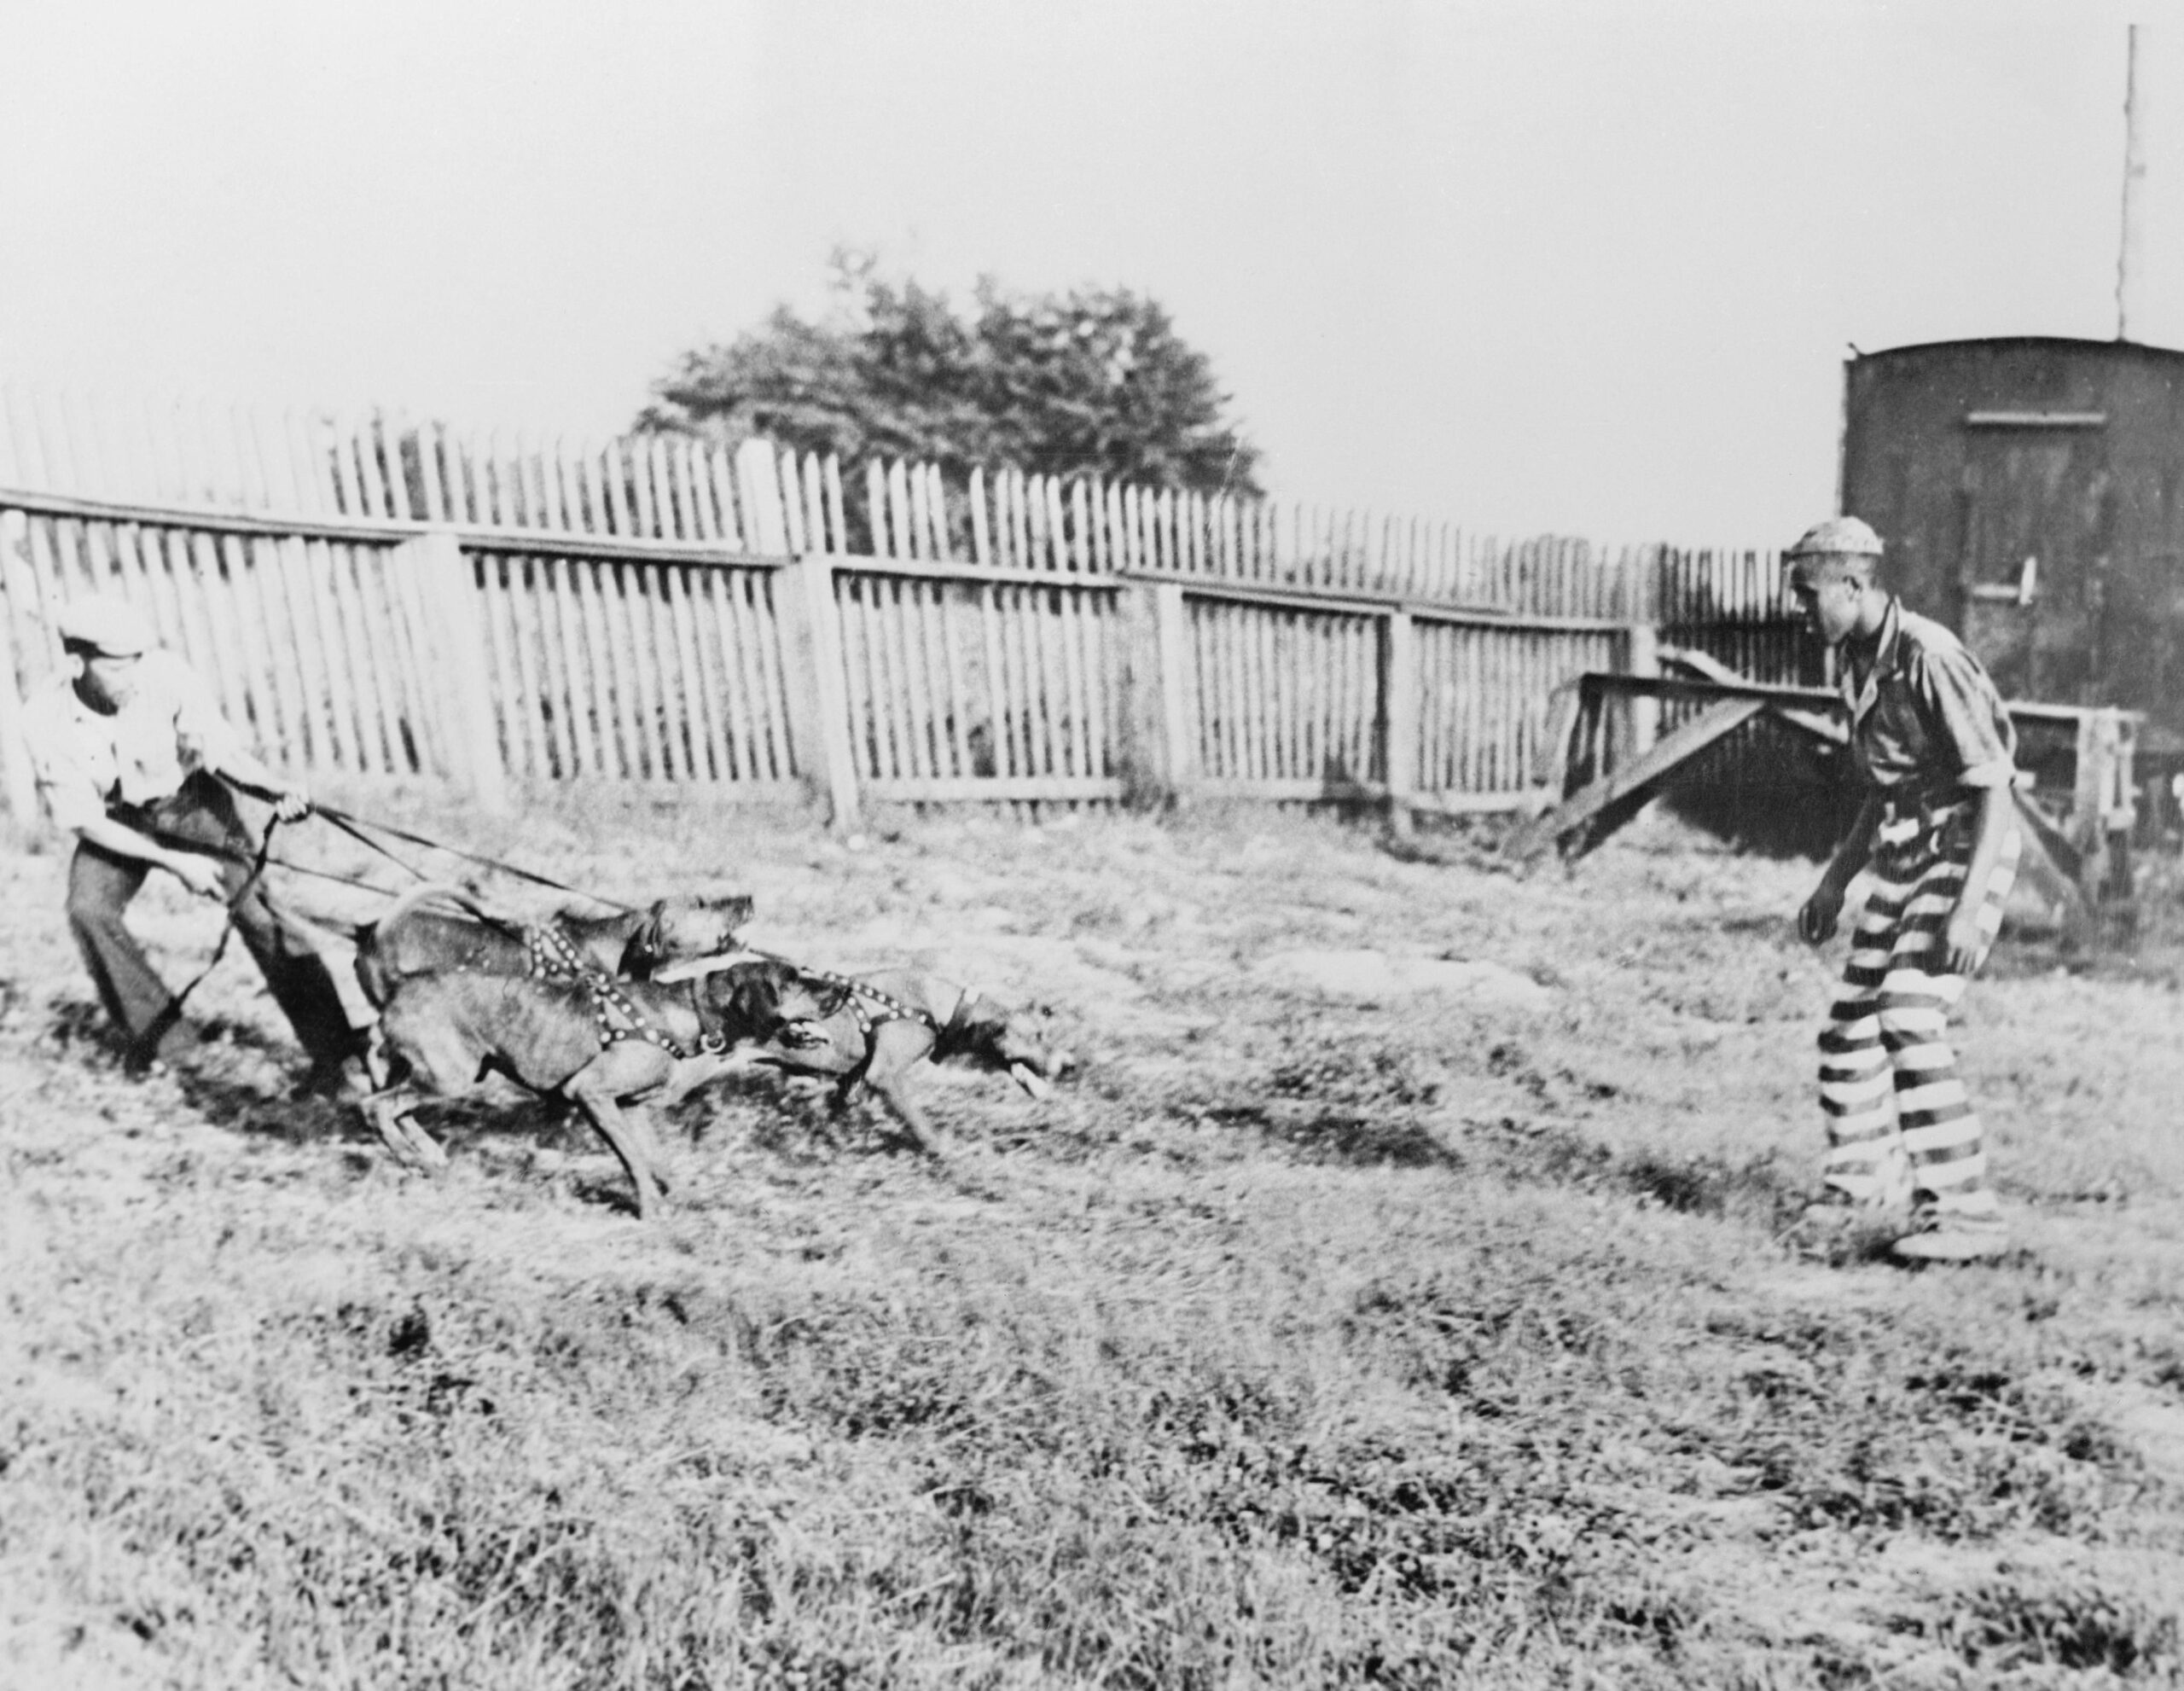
(646, 949)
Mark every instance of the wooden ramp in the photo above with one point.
(1602, 791)
(1607, 803)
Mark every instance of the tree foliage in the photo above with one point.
(1093, 381)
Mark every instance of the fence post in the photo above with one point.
(1399, 716)
(812, 678)
(760, 477)
(457, 641)
(1641, 718)
(1157, 761)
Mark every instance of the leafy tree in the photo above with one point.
(1095, 381)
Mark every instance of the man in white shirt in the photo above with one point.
(130, 752)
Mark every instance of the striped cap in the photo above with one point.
(1844, 535)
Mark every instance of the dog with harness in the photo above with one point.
(614, 1048)
(412, 937)
(873, 1029)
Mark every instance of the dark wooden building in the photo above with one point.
(2029, 491)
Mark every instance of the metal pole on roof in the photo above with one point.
(2129, 269)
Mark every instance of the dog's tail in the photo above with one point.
(374, 937)
(427, 892)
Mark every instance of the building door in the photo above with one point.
(2032, 570)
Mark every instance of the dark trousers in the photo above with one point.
(201, 817)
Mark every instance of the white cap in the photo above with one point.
(111, 627)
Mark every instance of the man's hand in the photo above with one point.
(1962, 940)
(1817, 916)
(202, 875)
(291, 804)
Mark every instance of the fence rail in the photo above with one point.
(377, 599)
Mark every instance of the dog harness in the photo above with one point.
(554, 956)
(888, 1007)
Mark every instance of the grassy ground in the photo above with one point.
(1450, 1335)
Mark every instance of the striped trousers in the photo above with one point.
(1898, 1119)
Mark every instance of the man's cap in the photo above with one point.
(111, 627)
(1844, 535)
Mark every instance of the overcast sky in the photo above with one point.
(1585, 267)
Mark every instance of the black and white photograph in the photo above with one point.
(1103, 845)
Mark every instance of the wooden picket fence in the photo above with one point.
(376, 599)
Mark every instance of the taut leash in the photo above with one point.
(353, 826)
(145, 1045)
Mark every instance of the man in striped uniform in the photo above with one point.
(1939, 831)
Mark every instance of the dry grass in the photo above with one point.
(1430, 1341)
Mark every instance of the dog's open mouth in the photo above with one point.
(802, 1035)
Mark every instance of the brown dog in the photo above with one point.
(410, 939)
(600, 1044)
(875, 1028)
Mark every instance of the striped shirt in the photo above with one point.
(1927, 722)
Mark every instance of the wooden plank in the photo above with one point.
(654, 673)
(959, 692)
(270, 674)
(768, 749)
(1102, 534)
(391, 428)
(691, 723)
(1079, 682)
(944, 540)
(733, 528)
(1258, 667)
(863, 678)
(634, 461)
(1018, 634)
(981, 541)
(421, 616)
(1098, 621)
(617, 622)
(372, 667)
(588, 591)
(815, 505)
(312, 575)
(923, 526)
(669, 675)
(1057, 525)
(812, 652)
(1020, 520)
(1235, 712)
(610, 492)
(528, 638)
(708, 746)
(898, 609)
(1686, 741)
(541, 627)
(728, 723)
(902, 526)
(932, 664)
(666, 498)
(770, 636)
(1000, 711)
(793, 505)
(1080, 517)
(690, 476)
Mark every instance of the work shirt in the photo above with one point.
(87, 764)
(1927, 722)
